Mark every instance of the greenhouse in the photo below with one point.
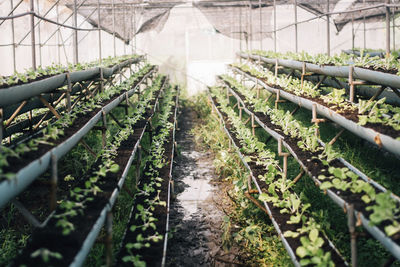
(200, 133)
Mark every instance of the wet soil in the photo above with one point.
(197, 212)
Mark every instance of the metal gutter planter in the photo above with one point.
(25, 176)
(386, 241)
(377, 77)
(390, 144)
(18, 93)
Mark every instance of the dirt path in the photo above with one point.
(196, 215)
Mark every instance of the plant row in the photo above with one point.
(14, 158)
(378, 115)
(388, 64)
(31, 75)
(330, 174)
(300, 229)
(77, 216)
(143, 242)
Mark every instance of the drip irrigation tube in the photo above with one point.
(387, 142)
(25, 176)
(18, 93)
(376, 77)
(92, 236)
(387, 242)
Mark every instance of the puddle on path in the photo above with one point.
(196, 215)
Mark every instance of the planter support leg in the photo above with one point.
(336, 137)
(116, 120)
(396, 91)
(240, 110)
(352, 230)
(315, 120)
(101, 80)
(276, 67)
(87, 147)
(285, 156)
(351, 83)
(253, 126)
(278, 100)
(10, 120)
(138, 162)
(377, 93)
(104, 128)
(295, 180)
(1, 127)
(68, 95)
(53, 183)
(27, 214)
(52, 109)
(295, 110)
(319, 83)
(303, 73)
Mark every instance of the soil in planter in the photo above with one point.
(196, 214)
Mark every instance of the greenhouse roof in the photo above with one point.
(229, 17)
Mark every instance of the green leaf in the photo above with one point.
(313, 235)
(114, 168)
(301, 252)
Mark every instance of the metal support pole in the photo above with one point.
(353, 35)
(104, 129)
(33, 42)
(250, 35)
(394, 29)
(75, 37)
(113, 23)
(295, 27)
(387, 29)
(58, 37)
(328, 33)
(275, 26)
(131, 29)
(261, 33)
(364, 28)
(68, 94)
(13, 37)
(138, 161)
(99, 28)
(240, 32)
(53, 182)
(124, 27)
(39, 39)
(134, 28)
